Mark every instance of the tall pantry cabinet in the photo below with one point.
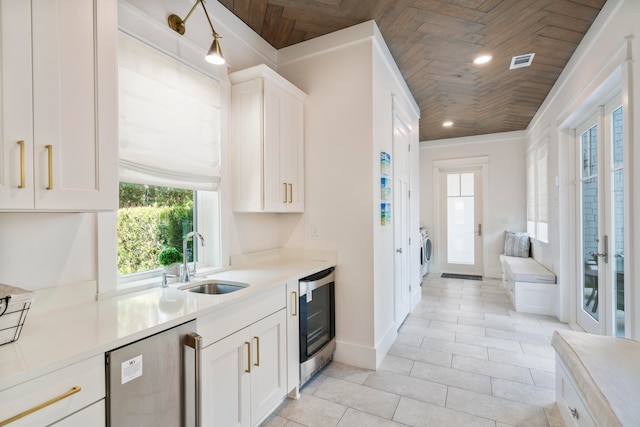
(58, 105)
(267, 142)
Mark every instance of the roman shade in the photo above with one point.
(169, 120)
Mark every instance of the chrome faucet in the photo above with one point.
(184, 276)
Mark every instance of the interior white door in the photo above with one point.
(401, 219)
(601, 202)
(461, 220)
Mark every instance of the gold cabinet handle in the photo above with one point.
(21, 144)
(50, 159)
(257, 351)
(248, 370)
(8, 421)
(290, 193)
(294, 308)
(285, 192)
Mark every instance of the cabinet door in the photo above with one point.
(74, 86)
(293, 339)
(268, 371)
(246, 145)
(283, 151)
(292, 152)
(226, 381)
(16, 120)
(275, 184)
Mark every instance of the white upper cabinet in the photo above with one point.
(58, 113)
(267, 142)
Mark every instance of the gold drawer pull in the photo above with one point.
(290, 193)
(21, 144)
(257, 351)
(50, 158)
(285, 192)
(73, 391)
(248, 370)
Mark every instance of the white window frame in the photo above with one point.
(537, 188)
(208, 205)
(207, 222)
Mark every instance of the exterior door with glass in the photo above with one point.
(601, 207)
(461, 220)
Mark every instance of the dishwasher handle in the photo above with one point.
(194, 341)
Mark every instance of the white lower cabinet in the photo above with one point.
(69, 397)
(244, 375)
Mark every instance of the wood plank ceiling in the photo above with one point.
(434, 42)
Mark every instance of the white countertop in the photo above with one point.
(56, 339)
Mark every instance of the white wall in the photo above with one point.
(38, 251)
(605, 51)
(387, 97)
(506, 208)
(337, 177)
(347, 123)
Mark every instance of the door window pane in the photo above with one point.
(618, 251)
(590, 246)
(453, 184)
(617, 240)
(466, 184)
(460, 219)
(616, 119)
(589, 141)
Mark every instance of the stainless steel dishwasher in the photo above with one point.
(152, 382)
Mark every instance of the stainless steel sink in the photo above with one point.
(214, 287)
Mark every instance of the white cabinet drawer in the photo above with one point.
(573, 410)
(88, 375)
(93, 416)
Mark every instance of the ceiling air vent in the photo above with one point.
(521, 61)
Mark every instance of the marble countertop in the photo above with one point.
(56, 339)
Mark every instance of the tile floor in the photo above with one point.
(462, 358)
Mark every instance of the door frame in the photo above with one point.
(614, 76)
(440, 166)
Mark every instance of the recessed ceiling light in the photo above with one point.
(482, 59)
(447, 124)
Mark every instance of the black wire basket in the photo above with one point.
(14, 305)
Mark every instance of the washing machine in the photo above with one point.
(425, 251)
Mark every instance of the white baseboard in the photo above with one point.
(362, 356)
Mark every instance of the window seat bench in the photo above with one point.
(597, 379)
(531, 286)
